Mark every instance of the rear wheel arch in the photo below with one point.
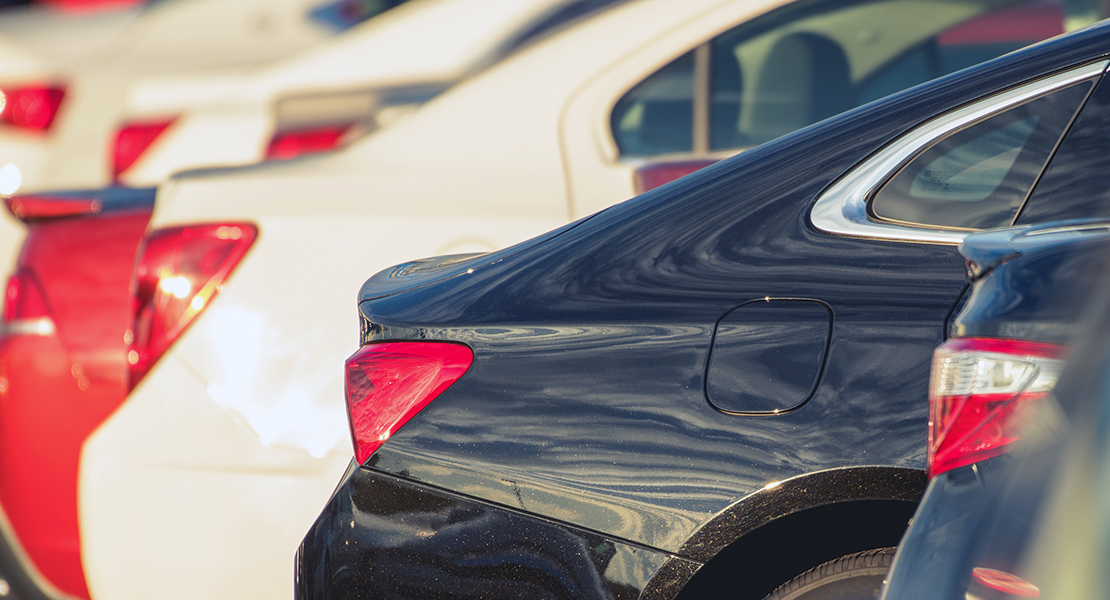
(752, 547)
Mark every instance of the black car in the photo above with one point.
(991, 386)
(715, 389)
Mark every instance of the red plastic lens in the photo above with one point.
(294, 143)
(178, 272)
(132, 140)
(31, 208)
(649, 177)
(1005, 582)
(23, 299)
(390, 382)
(86, 6)
(979, 392)
(32, 107)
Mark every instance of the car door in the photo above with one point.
(768, 76)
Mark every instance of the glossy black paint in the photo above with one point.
(394, 538)
(1031, 283)
(1036, 288)
(767, 356)
(586, 403)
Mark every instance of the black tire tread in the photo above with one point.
(868, 559)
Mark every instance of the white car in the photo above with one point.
(64, 100)
(65, 77)
(222, 455)
(343, 89)
(34, 41)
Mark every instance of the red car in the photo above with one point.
(63, 371)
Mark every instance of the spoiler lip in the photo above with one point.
(419, 273)
(42, 206)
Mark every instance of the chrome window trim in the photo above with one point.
(842, 209)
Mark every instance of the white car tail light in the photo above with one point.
(296, 142)
(389, 382)
(132, 140)
(178, 272)
(653, 175)
(31, 107)
(979, 393)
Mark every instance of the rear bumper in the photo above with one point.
(933, 557)
(383, 536)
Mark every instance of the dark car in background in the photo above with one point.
(715, 389)
(991, 402)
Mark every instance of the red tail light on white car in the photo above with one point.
(296, 142)
(653, 175)
(390, 382)
(31, 107)
(178, 272)
(980, 391)
(132, 140)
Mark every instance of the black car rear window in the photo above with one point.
(979, 177)
(1074, 186)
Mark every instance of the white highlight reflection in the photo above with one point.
(10, 179)
(281, 413)
(178, 286)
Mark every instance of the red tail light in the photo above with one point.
(32, 208)
(1004, 582)
(31, 107)
(132, 140)
(651, 176)
(86, 6)
(979, 392)
(389, 382)
(293, 143)
(179, 271)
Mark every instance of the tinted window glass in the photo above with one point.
(1075, 185)
(656, 116)
(811, 60)
(817, 65)
(979, 177)
(344, 14)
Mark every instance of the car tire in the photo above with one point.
(856, 576)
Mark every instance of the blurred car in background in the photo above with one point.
(338, 92)
(32, 38)
(1017, 443)
(716, 389)
(62, 371)
(60, 110)
(270, 442)
(65, 76)
(1008, 347)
